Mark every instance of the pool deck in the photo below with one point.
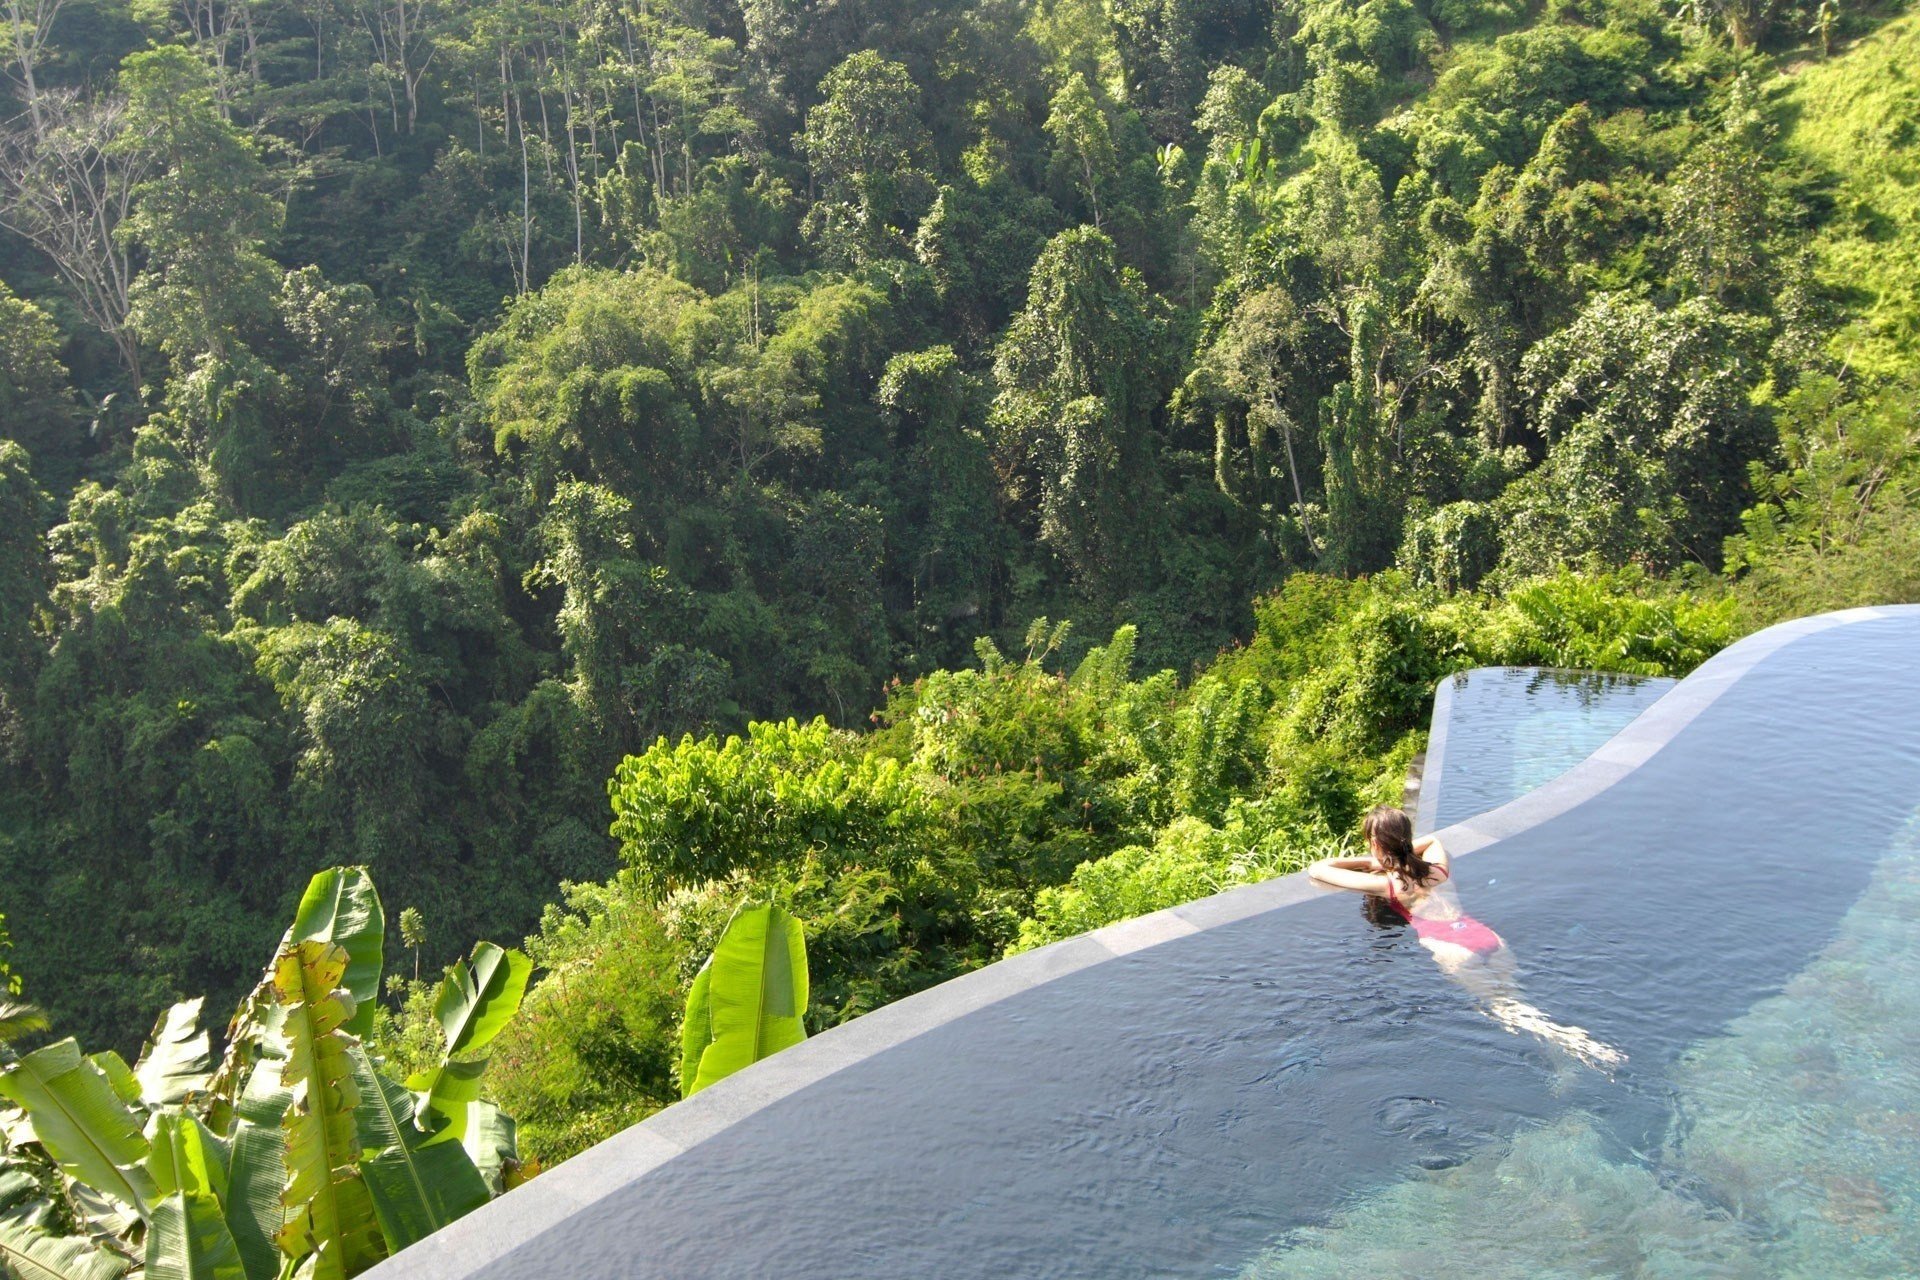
(484, 1237)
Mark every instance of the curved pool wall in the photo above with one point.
(1170, 1095)
(1500, 732)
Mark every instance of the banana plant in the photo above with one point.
(35, 1255)
(330, 1214)
(174, 1065)
(297, 1156)
(474, 1004)
(748, 1001)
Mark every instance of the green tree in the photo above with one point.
(25, 576)
(37, 409)
(203, 219)
(1083, 153)
(1080, 378)
(1249, 376)
(1844, 456)
(946, 529)
(1717, 216)
(1647, 412)
(867, 148)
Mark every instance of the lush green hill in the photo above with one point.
(406, 434)
(1857, 117)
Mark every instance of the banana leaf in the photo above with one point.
(254, 1037)
(330, 1215)
(189, 1241)
(696, 1029)
(23, 1200)
(447, 1093)
(418, 1185)
(32, 1255)
(341, 906)
(479, 998)
(119, 1076)
(83, 1121)
(184, 1156)
(752, 1001)
(258, 1171)
(18, 1019)
(492, 1142)
(178, 1058)
(474, 1003)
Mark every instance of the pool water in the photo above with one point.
(1500, 732)
(1793, 1149)
(1302, 1092)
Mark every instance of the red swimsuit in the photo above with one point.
(1462, 931)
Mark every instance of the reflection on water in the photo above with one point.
(1511, 730)
(1795, 1150)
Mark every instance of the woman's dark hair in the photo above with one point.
(1392, 830)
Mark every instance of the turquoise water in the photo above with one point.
(1511, 730)
(1794, 1148)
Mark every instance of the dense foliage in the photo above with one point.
(299, 1154)
(411, 410)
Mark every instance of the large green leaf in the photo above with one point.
(329, 1213)
(32, 1255)
(492, 1141)
(447, 1093)
(476, 1000)
(696, 1029)
(23, 1200)
(83, 1120)
(258, 1171)
(417, 1185)
(119, 1076)
(189, 1241)
(183, 1155)
(473, 1004)
(341, 906)
(177, 1059)
(755, 995)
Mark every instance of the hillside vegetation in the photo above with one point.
(653, 449)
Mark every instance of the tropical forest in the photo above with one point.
(955, 473)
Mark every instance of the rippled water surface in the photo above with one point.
(1303, 1093)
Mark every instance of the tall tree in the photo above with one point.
(202, 218)
(68, 175)
(868, 150)
(1081, 374)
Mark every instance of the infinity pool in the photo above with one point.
(1271, 1084)
(1500, 732)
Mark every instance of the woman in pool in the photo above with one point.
(1413, 876)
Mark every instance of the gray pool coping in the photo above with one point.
(1433, 765)
(517, 1217)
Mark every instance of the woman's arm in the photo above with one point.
(1430, 848)
(1331, 872)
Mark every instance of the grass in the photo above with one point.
(1857, 117)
